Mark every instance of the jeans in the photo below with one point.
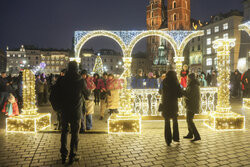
(88, 120)
(168, 134)
(192, 130)
(75, 127)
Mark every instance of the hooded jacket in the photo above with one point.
(193, 97)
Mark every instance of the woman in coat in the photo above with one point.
(192, 99)
(171, 91)
(113, 96)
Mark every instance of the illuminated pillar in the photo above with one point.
(223, 118)
(125, 121)
(29, 120)
(178, 62)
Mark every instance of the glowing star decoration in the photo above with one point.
(29, 120)
(223, 118)
(98, 68)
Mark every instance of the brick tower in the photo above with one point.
(178, 12)
(156, 13)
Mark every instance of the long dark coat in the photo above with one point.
(192, 97)
(72, 89)
(171, 91)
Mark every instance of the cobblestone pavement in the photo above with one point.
(148, 149)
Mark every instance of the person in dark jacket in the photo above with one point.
(171, 91)
(192, 99)
(4, 89)
(236, 83)
(72, 89)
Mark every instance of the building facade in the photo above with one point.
(39, 60)
(221, 26)
(54, 61)
(178, 12)
(174, 16)
(2, 61)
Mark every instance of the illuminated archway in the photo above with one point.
(245, 27)
(92, 34)
(145, 34)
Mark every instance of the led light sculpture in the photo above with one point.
(246, 27)
(98, 68)
(29, 120)
(223, 118)
(126, 121)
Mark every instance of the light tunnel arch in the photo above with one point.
(188, 39)
(94, 34)
(145, 34)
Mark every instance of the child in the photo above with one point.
(184, 74)
(10, 107)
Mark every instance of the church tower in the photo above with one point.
(156, 13)
(179, 14)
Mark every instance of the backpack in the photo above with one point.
(54, 97)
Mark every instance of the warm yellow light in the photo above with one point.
(29, 120)
(223, 118)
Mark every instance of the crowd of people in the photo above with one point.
(73, 94)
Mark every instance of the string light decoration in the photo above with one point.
(246, 27)
(246, 103)
(98, 68)
(146, 101)
(127, 40)
(76, 59)
(223, 118)
(29, 120)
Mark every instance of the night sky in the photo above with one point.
(51, 23)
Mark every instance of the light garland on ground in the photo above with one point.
(223, 118)
(29, 120)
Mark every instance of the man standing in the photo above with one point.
(72, 89)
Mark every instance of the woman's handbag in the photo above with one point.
(90, 106)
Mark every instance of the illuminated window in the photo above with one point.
(208, 31)
(186, 4)
(8, 55)
(209, 61)
(225, 36)
(216, 37)
(208, 41)
(19, 55)
(209, 51)
(225, 26)
(13, 55)
(216, 29)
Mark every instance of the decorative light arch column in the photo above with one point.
(246, 27)
(223, 118)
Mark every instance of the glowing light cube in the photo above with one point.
(28, 123)
(225, 122)
(124, 123)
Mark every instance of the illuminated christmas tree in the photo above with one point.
(98, 68)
